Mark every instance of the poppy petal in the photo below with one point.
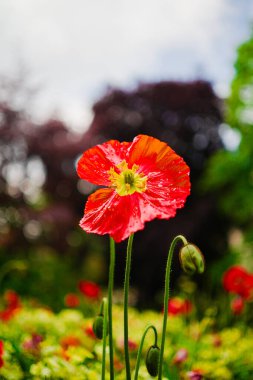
(237, 280)
(153, 155)
(167, 186)
(108, 213)
(94, 164)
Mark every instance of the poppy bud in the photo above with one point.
(191, 259)
(98, 325)
(152, 360)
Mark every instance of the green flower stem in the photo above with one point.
(110, 290)
(105, 311)
(126, 289)
(141, 347)
(166, 298)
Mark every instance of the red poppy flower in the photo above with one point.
(89, 331)
(89, 289)
(132, 345)
(118, 365)
(217, 341)
(177, 306)
(238, 281)
(12, 299)
(69, 341)
(71, 300)
(237, 305)
(1, 353)
(145, 179)
(1, 348)
(13, 305)
(6, 315)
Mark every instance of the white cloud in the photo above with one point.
(74, 48)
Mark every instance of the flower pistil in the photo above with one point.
(127, 181)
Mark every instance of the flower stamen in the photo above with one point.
(127, 181)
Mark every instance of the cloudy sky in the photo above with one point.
(73, 49)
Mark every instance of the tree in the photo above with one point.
(230, 173)
(40, 207)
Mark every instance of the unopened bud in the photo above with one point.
(152, 360)
(98, 325)
(191, 259)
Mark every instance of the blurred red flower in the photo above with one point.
(6, 315)
(71, 300)
(1, 353)
(180, 356)
(217, 342)
(66, 342)
(177, 306)
(12, 299)
(145, 179)
(118, 365)
(1, 348)
(238, 281)
(13, 305)
(70, 340)
(89, 289)
(132, 345)
(89, 331)
(237, 305)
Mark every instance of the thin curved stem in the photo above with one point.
(126, 291)
(166, 299)
(110, 290)
(105, 311)
(138, 360)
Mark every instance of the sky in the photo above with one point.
(70, 51)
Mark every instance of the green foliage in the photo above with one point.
(66, 349)
(41, 273)
(230, 173)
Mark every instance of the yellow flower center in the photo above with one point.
(128, 181)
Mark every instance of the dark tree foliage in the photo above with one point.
(54, 204)
(40, 207)
(186, 116)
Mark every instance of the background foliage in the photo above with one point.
(42, 200)
(229, 174)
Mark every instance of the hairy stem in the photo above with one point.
(105, 313)
(110, 290)
(126, 291)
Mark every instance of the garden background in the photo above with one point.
(76, 75)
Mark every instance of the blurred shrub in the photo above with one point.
(40, 207)
(230, 173)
